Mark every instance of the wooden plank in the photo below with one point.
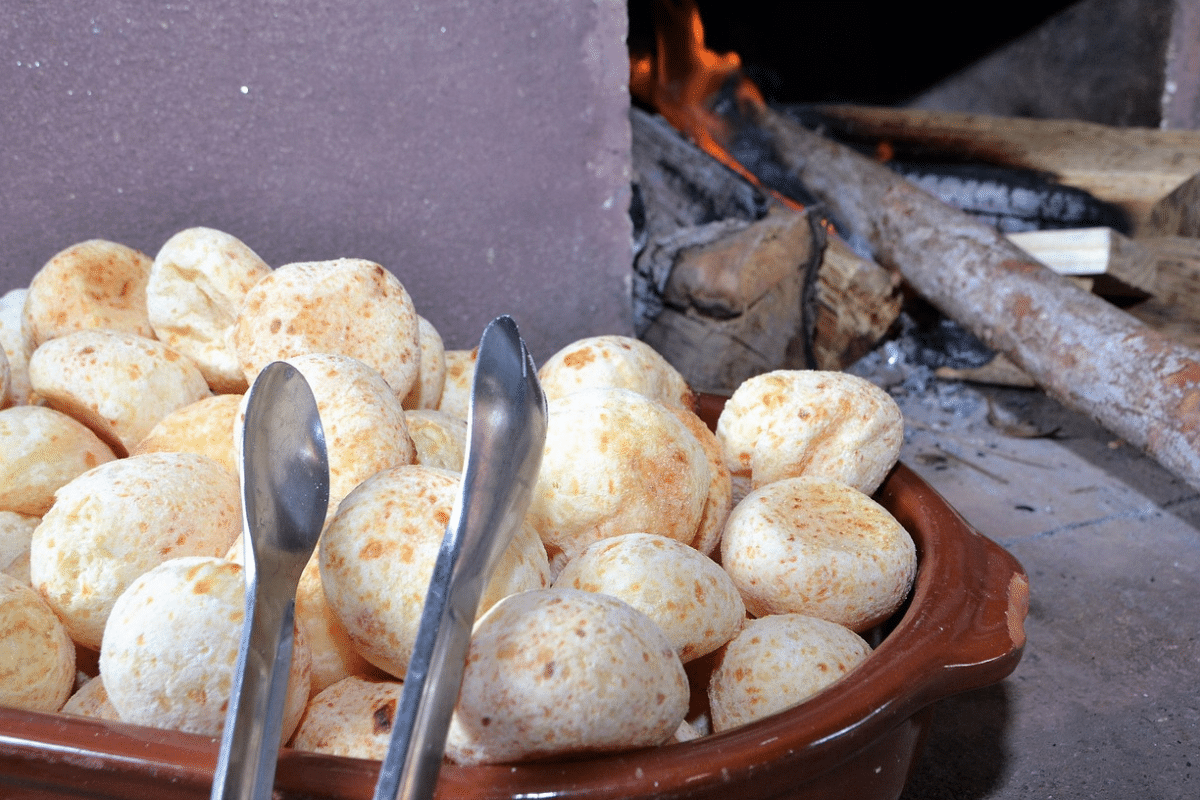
(1091, 252)
(1134, 168)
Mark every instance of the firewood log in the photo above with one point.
(1082, 350)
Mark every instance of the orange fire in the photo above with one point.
(680, 78)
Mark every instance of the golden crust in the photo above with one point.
(808, 422)
(777, 662)
(349, 307)
(818, 547)
(198, 282)
(92, 284)
(118, 384)
(560, 671)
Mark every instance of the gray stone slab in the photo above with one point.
(478, 150)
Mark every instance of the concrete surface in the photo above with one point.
(478, 150)
(1106, 700)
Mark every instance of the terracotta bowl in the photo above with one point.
(962, 628)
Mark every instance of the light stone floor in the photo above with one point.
(1106, 700)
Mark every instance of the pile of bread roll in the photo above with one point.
(651, 541)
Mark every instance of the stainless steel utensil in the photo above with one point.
(285, 493)
(506, 432)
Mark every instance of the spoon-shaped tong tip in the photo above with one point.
(285, 494)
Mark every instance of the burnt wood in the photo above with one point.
(729, 283)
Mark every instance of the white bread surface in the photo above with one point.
(788, 423)
(559, 671)
(115, 522)
(818, 547)
(778, 662)
(37, 658)
(198, 282)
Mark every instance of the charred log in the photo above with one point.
(728, 283)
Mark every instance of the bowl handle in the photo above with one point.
(976, 598)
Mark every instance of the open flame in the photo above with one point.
(682, 76)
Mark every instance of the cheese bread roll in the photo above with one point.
(118, 384)
(788, 423)
(616, 462)
(439, 438)
(559, 671)
(204, 427)
(377, 556)
(113, 523)
(778, 662)
(460, 376)
(614, 362)
(427, 390)
(92, 284)
(349, 307)
(690, 597)
(18, 346)
(351, 718)
(818, 547)
(197, 284)
(16, 534)
(171, 648)
(37, 658)
(41, 450)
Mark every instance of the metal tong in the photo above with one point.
(285, 493)
(506, 432)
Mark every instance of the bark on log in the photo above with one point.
(1082, 350)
